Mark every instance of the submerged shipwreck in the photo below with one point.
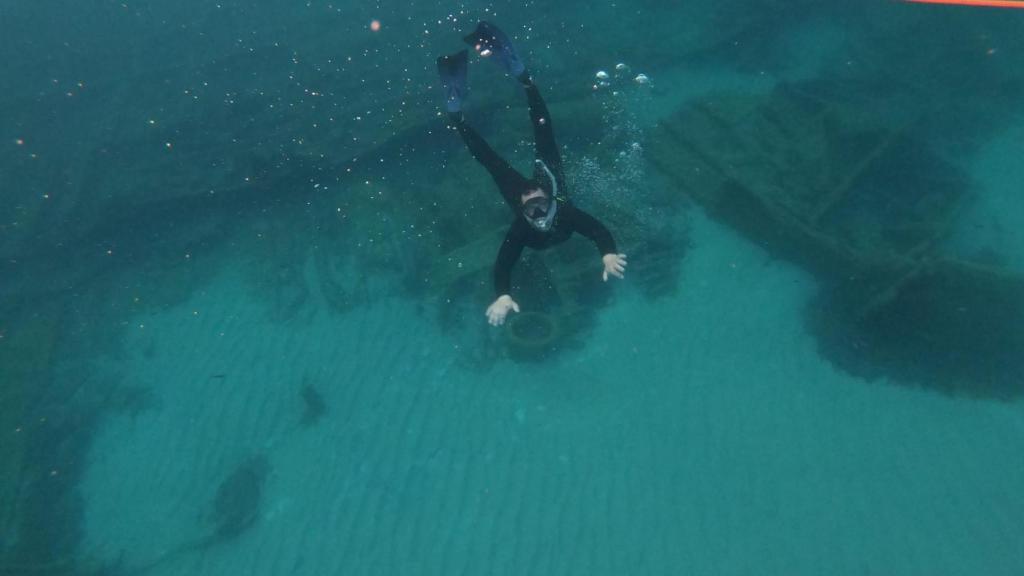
(851, 191)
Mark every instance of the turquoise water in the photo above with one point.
(245, 266)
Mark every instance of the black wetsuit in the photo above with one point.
(513, 185)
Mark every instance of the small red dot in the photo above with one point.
(375, 25)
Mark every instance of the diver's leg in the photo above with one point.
(543, 130)
(489, 41)
(510, 183)
(453, 70)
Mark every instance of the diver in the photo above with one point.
(544, 215)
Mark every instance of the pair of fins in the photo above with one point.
(488, 40)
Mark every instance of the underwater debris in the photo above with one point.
(314, 406)
(236, 507)
(239, 497)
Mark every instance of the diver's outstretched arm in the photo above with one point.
(592, 228)
(508, 255)
(614, 263)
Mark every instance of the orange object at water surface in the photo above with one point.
(984, 3)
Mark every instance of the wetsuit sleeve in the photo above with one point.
(592, 228)
(510, 183)
(508, 255)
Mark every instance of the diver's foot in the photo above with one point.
(455, 119)
(489, 41)
(453, 69)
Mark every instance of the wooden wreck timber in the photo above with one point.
(846, 190)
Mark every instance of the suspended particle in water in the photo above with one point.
(375, 25)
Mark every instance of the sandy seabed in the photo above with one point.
(699, 434)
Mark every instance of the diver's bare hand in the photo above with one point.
(496, 312)
(614, 264)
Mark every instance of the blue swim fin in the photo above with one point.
(489, 40)
(452, 69)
